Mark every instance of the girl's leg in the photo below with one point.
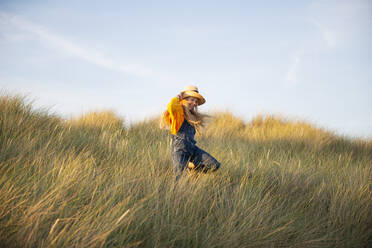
(180, 160)
(204, 161)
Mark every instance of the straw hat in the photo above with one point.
(194, 92)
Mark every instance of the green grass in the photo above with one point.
(92, 182)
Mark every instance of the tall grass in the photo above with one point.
(91, 182)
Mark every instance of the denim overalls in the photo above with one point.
(184, 150)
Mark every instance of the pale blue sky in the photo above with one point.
(310, 60)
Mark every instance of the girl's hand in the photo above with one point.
(180, 96)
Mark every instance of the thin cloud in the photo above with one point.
(328, 35)
(67, 46)
(342, 24)
(291, 73)
(326, 41)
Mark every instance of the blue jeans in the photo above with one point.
(184, 152)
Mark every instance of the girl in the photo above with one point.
(184, 120)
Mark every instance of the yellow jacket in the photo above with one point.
(176, 115)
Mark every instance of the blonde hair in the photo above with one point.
(165, 120)
(191, 116)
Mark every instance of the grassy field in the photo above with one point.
(94, 182)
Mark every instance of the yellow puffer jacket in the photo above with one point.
(176, 116)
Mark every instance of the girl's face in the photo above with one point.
(192, 102)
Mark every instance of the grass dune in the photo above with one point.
(93, 182)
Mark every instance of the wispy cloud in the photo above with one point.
(342, 23)
(327, 34)
(324, 38)
(323, 42)
(291, 73)
(67, 46)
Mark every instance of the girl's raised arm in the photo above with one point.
(176, 114)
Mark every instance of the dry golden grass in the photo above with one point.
(91, 183)
(266, 127)
(106, 119)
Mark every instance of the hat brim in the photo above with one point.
(201, 99)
